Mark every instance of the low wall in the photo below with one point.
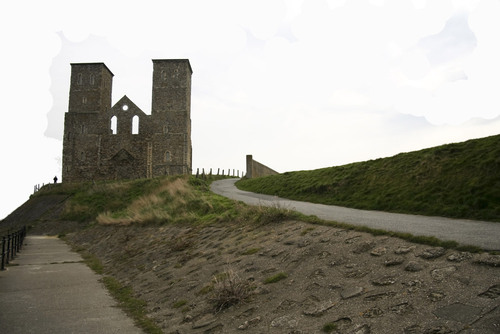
(256, 169)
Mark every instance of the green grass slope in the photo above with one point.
(460, 180)
(160, 201)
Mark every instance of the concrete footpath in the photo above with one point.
(48, 289)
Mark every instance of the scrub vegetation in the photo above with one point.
(459, 180)
(165, 200)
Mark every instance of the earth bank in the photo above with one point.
(301, 278)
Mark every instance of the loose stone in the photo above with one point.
(459, 257)
(320, 309)
(458, 312)
(395, 261)
(440, 273)
(384, 280)
(436, 296)
(379, 251)
(351, 292)
(363, 329)
(414, 266)
(493, 292)
(373, 312)
(489, 260)
(401, 308)
(364, 247)
(432, 253)
(404, 250)
(380, 296)
(437, 330)
(285, 321)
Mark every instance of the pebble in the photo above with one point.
(351, 292)
(414, 266)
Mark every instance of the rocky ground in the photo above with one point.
(323, 279)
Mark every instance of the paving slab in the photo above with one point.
(48, 289)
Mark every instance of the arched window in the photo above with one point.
(114, 125)
(167, 156)
(79, 79)
(92, 79)
(135, 125)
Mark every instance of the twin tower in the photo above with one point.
(105, 142)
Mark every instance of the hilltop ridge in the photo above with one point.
(460, 180)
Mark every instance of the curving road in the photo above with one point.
(467, 232)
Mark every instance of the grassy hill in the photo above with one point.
(157, 201)
(459, 180)
(179, 258)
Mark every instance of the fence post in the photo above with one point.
(7, 253)
(18, 239)
(24, 236)
(3, 254)
(12, 249)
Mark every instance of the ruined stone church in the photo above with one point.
(120, 141)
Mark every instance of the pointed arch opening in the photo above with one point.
(135, 125)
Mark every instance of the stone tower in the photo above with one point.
(105, 142)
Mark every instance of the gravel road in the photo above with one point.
(467, 232)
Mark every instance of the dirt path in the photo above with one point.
(467, 232)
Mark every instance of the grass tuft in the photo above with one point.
(229, 289)
(329, 327)
(275, 278)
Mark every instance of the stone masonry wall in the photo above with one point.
(104, 142)
(256, 169)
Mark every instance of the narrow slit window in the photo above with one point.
(135, 125)
(92, 79)
(79, 80)
(114, 125)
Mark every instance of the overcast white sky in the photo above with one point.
(300, 84)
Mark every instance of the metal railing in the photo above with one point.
(12, 243)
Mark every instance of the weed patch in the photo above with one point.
(134, 307)
(180, 303)
(250, 251)
(229, 289)
(275, 278)
(329, 327)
